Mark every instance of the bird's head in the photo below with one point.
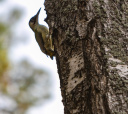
(34, 20)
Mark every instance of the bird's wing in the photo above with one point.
(40, 41)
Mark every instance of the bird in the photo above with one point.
(42, 36)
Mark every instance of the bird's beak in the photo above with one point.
(36, 16)
(34, 19)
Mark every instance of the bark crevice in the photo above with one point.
(90, 39)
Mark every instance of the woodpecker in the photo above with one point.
(42, 36)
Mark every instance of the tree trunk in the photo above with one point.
(90, 39)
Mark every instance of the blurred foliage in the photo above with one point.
(3, 60)
(3, 28)
(8, 27)
(4, 63)
(27, 86)
(1, 0)
(22, 85)
(15, 15)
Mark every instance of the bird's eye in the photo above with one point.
(32, 20)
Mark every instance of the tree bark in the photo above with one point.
(91, 46)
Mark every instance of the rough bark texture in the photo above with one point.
(91, 45)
